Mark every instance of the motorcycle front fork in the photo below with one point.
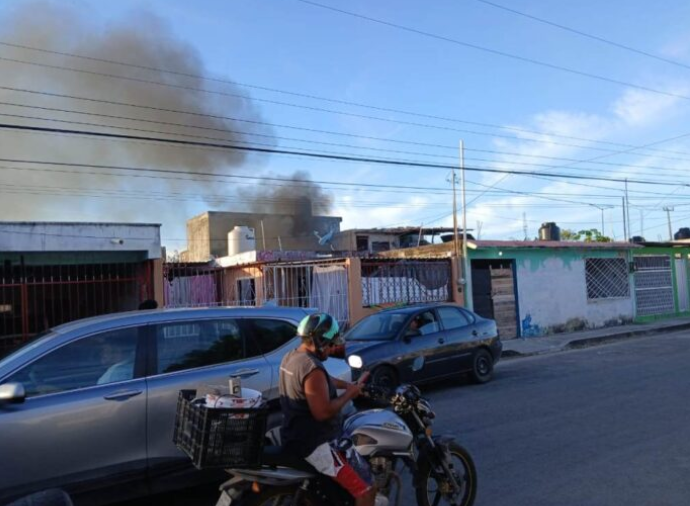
(297, 499)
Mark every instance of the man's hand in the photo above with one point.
(363, 378)
(353, 390)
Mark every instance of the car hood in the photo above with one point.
(357, 347)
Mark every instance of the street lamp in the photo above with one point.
(668, 210)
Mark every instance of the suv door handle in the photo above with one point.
(122, 395)
(441, 340)
(474, 332)
(244, 373)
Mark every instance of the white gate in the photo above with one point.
(319, 285)
(654, 285)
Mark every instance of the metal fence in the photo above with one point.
(204, 285)
(320, 285)
(34, 298)
(654, 285)
(405, 281)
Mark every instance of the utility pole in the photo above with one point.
(625, 223)
(456, 243)
(466, 262)
(627, 209)
(602, 208)
(668, 217)
(524, 224)
(479, 229)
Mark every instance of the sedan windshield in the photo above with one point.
(378, 327)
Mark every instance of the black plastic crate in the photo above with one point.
(219, 437)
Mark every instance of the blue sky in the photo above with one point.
(292, 46)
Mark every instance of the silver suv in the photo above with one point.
(101, 394)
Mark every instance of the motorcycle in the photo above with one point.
(399, 435)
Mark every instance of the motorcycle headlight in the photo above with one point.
(355, 361)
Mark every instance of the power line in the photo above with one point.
(496, 51)
(409, 190)
(298, 106)
(382, 188)
(305, 154)
(665, 171)
(585, 34)
(211, 198)
(291, 93)
(313, 130)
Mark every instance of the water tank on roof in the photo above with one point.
(683, 233)
(241, 239)
(637, 239)
(549, 232)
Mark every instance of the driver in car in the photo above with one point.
(312, 423)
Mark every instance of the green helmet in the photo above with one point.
(322, 328)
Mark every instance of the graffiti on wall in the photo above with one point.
(528, 328)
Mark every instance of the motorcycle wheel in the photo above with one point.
(271, 496)
(434, 489)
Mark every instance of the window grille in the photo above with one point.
(607, 278)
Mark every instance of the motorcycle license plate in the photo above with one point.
(224, 499)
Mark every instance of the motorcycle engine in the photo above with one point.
(381, 469)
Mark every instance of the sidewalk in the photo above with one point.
(524, 347)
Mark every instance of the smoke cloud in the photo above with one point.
(300, 199)
(141, 39)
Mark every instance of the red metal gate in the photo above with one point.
(34, 298)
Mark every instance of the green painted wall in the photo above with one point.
(534, 258)
(671, 252)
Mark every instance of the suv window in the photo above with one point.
(452, 318)
(188, 345)
(271, 334)
(96, 360)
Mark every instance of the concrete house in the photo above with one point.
(540, 287)
(208, 233)
(52, 273)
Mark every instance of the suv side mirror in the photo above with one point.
(12, 393)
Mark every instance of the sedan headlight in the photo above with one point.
(355, 361)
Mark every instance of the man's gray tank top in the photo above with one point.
(301, 432)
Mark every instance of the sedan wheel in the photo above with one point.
(482, 366)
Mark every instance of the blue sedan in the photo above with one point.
(424, 343)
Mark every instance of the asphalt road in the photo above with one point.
(603, 426)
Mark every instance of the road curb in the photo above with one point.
(585, 342)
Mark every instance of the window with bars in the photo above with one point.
(607, 278)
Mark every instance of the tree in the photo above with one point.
(589, 235)
(568, 235)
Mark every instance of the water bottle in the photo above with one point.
(235, 384)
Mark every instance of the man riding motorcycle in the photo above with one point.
(311, 407)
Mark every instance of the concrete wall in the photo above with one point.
(207, 234)
(198, 240)
(43, 237)
(552, 291)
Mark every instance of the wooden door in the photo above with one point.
(503, 298)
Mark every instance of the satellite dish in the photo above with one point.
(325, 239)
